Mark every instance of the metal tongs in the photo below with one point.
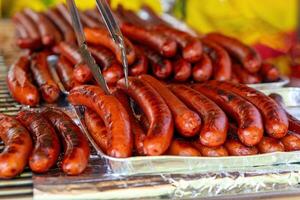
(114, 31)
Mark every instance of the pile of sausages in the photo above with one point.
(36, 138)
(216, 118)
(153, 47)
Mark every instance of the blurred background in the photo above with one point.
(268, 25)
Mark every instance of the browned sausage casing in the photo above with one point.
(182, 70)
(112, 112)
(18, 146)
(46, 143)
(291, 141)
(250, 127)
(274, 117)
(202, 70)
(155, 40)
(161, 128)
(42, 76)
(19, 83)
(76, 146)
(24, 41)
(269, 72)
(96, 128)
(269, 145)
(236, 148)
(244, 76)
(187, 122)
(206, 151)
(215, 123)
(180, 147)
(140, 66)
(64, 70)
(245, 54)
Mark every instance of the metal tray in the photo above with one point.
(182, 164)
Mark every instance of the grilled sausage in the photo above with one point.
(206, 151)
(24, 41)
(202, 70)
(42, 76)
(19, 83)
(274, 117)
(291, 141)
(215, 123)
(76, 146)
(82, 73)
(161, 128)
(64, 70)
(269, 72)
(140, 66)
(245, 54)
(269, 145)
(180, 147)
(18, 146)
(236, 148)
(250, 127)
(112, 113)
(182, 70)
(244, 76)
(46, 143)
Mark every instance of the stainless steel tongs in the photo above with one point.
(114, 31)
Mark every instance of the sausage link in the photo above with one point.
(70, 52)
(203, 70)
(67, 31)
(140, 66)
(82, 73)
(291, 141)
(182, 70)
(236, 148)
(48, 31)
(90, 22)
(274, 117)
(161, 67)
(244, 76)
(42, 76)
(96, 128)
(76, 146)
(63, 10)
(46, 143)
(65, 72)
(269, 72)
(206, 151)
(18, 146)
(245, 54)
(269, 145)
(250, 127)
(137, 130)
(220, 60)
(24, 41)
(112, 113)
(234, 78)
(180, 147)
(187, 122)
(161, 128)
(30, 27)
(19, 83)
(153, 39)
(100, 36)
(215, 123)
(191, 46)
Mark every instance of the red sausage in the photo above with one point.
(153, 39)
(291, 141)
(48, 31)
(269, 145)
(274, 117)
(63, 10)
(42, 76)
(161, 67)
(214, 130)
(161, 128)
(220, 60)
(137, 130)
(24, 41)
(65, 72)
(18, 146)
(180, 147)
(46, 143)
(96, 128)
(100, 36)
(202, 70)
(250, 127)
(236, 148)
(191, 46)
(245, 54)
(19, 83)
(244, 76)
(76, 146)
(90, 22)
(206, 151)
(140, 66)
(182, 70)
(82, 73)
(113, 114)
(67, 31)
(30, 27)
(269, 72)
(70, 52)
(187, 122)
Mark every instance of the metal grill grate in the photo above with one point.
(21, 186)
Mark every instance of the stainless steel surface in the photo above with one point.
(86, 55)
(21, 186)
